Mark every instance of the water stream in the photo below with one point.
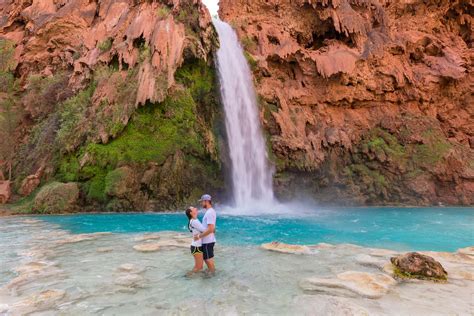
(251, 173)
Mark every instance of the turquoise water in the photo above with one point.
(437, 229)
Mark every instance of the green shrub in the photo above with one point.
(105, 45)
(72, 112)
(163, 12)
(251, 61)
(248, 43)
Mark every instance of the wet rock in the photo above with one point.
(80, 238)
(327, 305)
(286, 248)
(418, 266)
(145, 237)
(148, 247)
(130, 280)
(469, 251)
(383, 253)
(33, 267)
(30, 221)
(323, 245)
(31, 183)
(5, 191)
(33, 272)
(452, 257)
(367, 260)
(38, 302)
(4, 308)
(351, 283)
(130, 268)
(104, 249)
(57, 197)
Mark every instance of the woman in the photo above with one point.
(195, 227)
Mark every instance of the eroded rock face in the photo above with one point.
(418, 266)
(366, 102)
(5, 191)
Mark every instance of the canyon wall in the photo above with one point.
(112, 104)
(364, 102)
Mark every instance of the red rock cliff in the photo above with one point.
(113, 95)
(366, 102)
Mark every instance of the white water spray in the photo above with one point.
(252, 175)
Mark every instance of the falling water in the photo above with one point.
(251, 172)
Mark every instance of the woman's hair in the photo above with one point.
(188, 214)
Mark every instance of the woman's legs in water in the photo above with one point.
(198, 262)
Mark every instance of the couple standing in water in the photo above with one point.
(204, 239)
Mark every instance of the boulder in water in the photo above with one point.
(286, 248)
(57, 197)
(414, 265)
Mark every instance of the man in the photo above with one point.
(208, 237)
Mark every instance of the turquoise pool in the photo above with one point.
(438, 229)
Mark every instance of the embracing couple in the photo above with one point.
(202, 246)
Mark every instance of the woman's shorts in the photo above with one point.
(196, 250)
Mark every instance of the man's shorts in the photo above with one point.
(208, 250)
(196, 250)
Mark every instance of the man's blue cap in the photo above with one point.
(205, 197)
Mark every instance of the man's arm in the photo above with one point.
(210, 229)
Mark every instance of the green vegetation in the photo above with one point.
(189, 16)
(252, 62)
(432, 151)
(406, 275)
(105, 45)
(112, 179)
(163, 12)
(372, 178)
(9, 113)
(248, 43)
(154, 133)
(56, 197)
(72, 111)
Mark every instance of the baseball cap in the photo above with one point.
(205, 197)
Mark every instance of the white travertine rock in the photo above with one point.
(351, 283)
(286, 248)
(148, 247)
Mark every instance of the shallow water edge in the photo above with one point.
(52, 271)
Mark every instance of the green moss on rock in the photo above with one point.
(183, 123)
(57, 197)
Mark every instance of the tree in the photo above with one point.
(8, 115)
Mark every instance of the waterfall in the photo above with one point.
(252, 175)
